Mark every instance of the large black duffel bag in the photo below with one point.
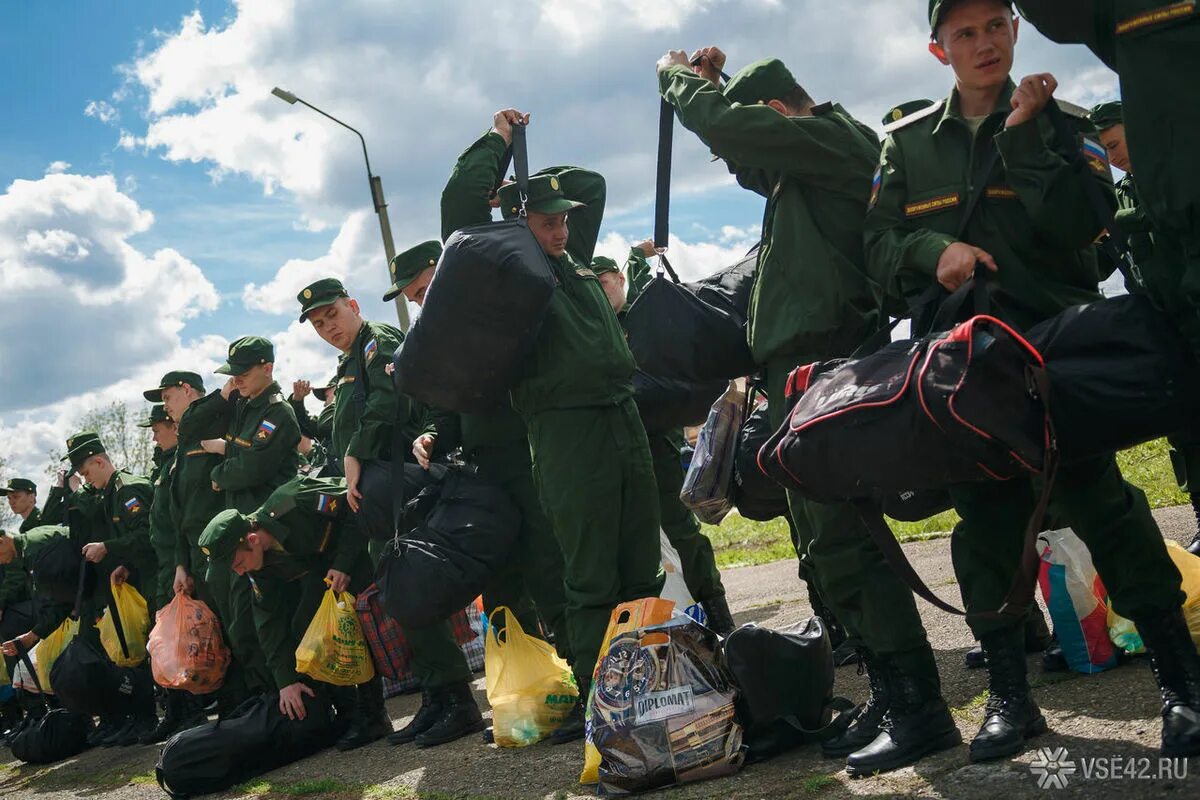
(757, 496)
(56, 735)
(482, 312)
(1120, 374)
(57, 571)
(442, 564)
(85, 680)
(667, 404)
(694, 331)
(255, 739)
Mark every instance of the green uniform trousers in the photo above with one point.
(877, 609)
(595, 478)
(1110, 516)
(700, 571)
(535, 572)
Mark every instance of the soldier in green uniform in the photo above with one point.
(1147, 42)
(591, 459)
(22, 501)
(317, 428)
(811, 301)
(700, 571)
(1109, 121)
(17, 608)
(300, 543)
(497, 444)
(252, 426)
(1033, 229)
(18, 554)
(366, 408)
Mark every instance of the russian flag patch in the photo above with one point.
(1097, 156)
(327, 504)
(133, 505)
(370, 350)
(875, 184)
(265, 429)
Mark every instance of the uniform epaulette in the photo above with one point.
(1073, 110)
(277, 398)
(914, 116)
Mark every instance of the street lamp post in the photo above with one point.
(385, 227)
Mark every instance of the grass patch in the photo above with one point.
(739, 542)
(816, 783)
(971, 707)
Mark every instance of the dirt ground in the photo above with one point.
(1103, 721)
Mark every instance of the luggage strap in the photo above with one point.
(845, 713)
(23, 654)
(1020, 593)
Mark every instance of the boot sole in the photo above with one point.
(950, 738)
(1035, 728)
(474, 728)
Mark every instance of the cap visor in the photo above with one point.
(556, 206)
(153, 395)
(231, 370)
(314, 306)
(393, 292)
(5, 491)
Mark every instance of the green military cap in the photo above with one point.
(247, 352)
(223, 534)
(545, 197)
(320, 391)
(1106, 115)
(18, 485)
(174, 378)
(938, 9)
(602, 264)
(83, 446)
(760, 82)
(324, 292)
(412, 262)
(158, 413)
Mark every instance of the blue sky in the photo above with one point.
(189, 206)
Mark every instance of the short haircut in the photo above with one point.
(797, 99)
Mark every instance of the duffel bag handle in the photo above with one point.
(975, 287)
(23, 654)
(662, 184)
(520, 157)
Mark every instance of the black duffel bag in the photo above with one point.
(757, 496)
(257, 738)
(1120, 374)
(668, 404)
(481, 314)
(785, 686)
(54, 736)
(919, 414)
(56, 568)
(694, 331)
(442, 564)
(86, 680)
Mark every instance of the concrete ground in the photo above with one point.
(1103, 721)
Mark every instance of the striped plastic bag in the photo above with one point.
(1077, 601)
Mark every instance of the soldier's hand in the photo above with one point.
(708, 63)
(291, 700)
(228, 389)
(1030, 97)
(184, 583)
(647, 247)
(74, 482)
(338, 580)
(119, 576)
(673, 58)
(423, 449)
(60, 479)
(26, 641)
(301, 389)
(502, 122)
(352, 468)
(95, 552)
(957, 264)
(213, 446)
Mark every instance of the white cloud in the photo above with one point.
(101, 110)
(56, 167)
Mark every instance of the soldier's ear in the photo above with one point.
(939, 52)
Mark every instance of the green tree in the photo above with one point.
(129, 446)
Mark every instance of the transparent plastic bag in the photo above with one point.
(708, 485)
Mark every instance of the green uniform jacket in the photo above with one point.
(14, 584)
(34, 520)
(162, 524)
(193, 501)
(365, 400)
(260, 435)
(318, 428)
(811, 294)
(580, 358)
(128, 501)
(28, 546)
(310, 519)
(1034, 217)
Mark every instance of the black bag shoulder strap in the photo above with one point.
(662, 184)
(23, 654)
(845, 713)
(520, 158)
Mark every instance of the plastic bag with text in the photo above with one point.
(530, 689)
(333, 649)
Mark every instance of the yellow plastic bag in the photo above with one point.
(1189, 569)
(135, 624)
(333, 649)
(625, 617)
(49, 649)
(531, 690)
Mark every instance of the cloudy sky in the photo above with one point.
(156, 201)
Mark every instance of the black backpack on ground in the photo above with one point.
(56, 735)
(255, 739)
(785, 683)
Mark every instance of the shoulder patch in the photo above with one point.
(370, 349)
(915, 116)
(875, 184)
(1096, 155)
(133, 505)
(265, 429)
(327, 504)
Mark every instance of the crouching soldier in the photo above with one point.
(299, 543)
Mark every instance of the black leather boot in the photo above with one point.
(370, 721)
(1053, 659)
(1194, 546)
(1011, 715)
(460, 717)
(1176, 667)
(427, 714)
(720, 618)
(11, 718)
(572, 727)
(865, 727)
(917, 722)
(173, 721)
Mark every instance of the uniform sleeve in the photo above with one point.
(349, 547)
(757, 139)
(50, 617)
(466, 198)
(637, 274)
(54, 512)
(309, 425)
(901, 257)
(383, 407)
(324, 429)
(587, 187)
(1054, 195)
(130, 538)
(207, 418)
(445, 427)
(13, 584)
(252, 463)
(272, 611)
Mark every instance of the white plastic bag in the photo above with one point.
(1077, 601)
(675, 587)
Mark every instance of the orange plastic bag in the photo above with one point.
(186, 649)
(625, 618)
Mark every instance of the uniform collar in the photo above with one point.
(951, 109)
(265, 397)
